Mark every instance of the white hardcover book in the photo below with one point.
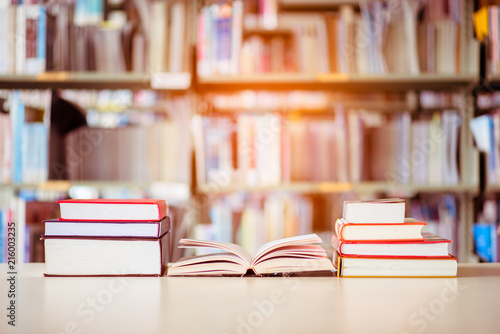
(452, 122)
(355, 142)
(20, 219)
(322, 57)
(203, 43)
(383, 211)
(275, 126)
(403, 162)
(341, 146)
(36, 18)
(360, 53)
(11, 39)
(158, 37)
(274, 212)
(252, 230)
(20, 39)
(4, 36)
(177, 37)
(138, 54)
(236, 36)
(410, 12)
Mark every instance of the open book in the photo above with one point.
(301, 254)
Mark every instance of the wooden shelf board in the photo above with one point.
(493, 188)
(81, 80)
(337, 82)
(316, 4)
(64, 185)
(334, 187)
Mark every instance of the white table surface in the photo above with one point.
(468, 304)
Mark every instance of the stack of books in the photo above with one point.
(108, 238)
(373, 239)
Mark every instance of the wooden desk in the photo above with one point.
(469, 304)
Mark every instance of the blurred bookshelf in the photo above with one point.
(293, 63)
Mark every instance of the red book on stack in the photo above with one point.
(113, 209)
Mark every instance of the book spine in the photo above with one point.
(4, 37)
(21, 40)
(236, 36)
(223, 46)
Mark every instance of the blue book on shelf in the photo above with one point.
(17, 125)
(485, 241)
(41, 51)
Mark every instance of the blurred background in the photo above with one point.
(254, 119)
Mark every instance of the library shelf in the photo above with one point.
(316, 4)
(336, 187)
(337, 82)
(494, 188)
(370, 106)
(64, 185)
(97, 80)
(493, 81)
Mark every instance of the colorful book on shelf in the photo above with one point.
(300, 254)
(356, 266)
(106, 256)
(486, 238)
(410, 229)
(138, 229)
(381, 211)
(113, 209)
(431, 246)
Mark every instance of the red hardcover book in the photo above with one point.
(431, 246)
(411, 229)
(148, 229)
(113, 209)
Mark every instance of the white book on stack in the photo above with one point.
(386, 211)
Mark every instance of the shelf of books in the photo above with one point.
(72, 45)
(320, 49)
(56, 145)
(290, 112)
(296, 108)
(485, 126)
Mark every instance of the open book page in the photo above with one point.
(307, 252)
(298, 240)
(225, 246)
(217, 257)
(227, 264)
